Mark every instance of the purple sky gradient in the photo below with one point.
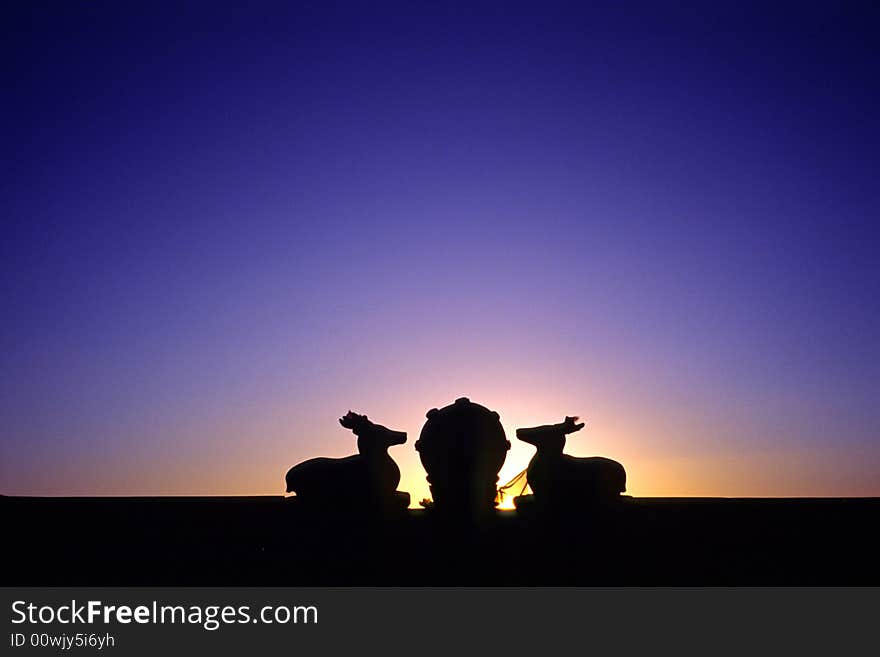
(226, 227)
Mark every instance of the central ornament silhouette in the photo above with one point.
(462, 448)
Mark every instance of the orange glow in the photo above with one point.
(666, 454)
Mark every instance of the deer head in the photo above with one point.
(371, 437)
(552, 436)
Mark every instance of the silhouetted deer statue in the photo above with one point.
(562, 480)
(368, 478)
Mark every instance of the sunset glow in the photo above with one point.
(227, 229)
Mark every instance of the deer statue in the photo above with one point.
(561, 480)
(369, 477)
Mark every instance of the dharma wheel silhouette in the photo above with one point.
(462, 447)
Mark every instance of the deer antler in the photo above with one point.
(571, 424)
(354, 421)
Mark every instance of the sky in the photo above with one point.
(225, 226)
